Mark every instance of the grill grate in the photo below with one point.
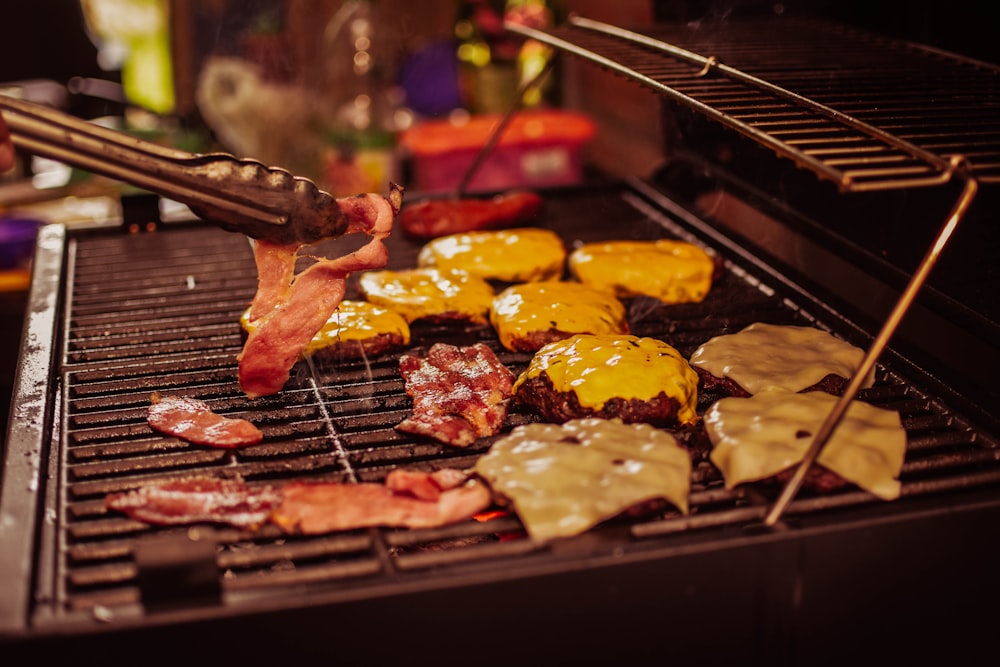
(168, 322)
(863, 111)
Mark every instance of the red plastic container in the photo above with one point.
(538, 148)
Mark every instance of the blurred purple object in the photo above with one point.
(429, 77)
(17, 241)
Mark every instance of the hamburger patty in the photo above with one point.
(724, 386)
(561, 406)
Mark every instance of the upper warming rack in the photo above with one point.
(867, 112)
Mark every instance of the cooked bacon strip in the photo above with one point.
(314, 508)
(432, 218)
(275, 271)
(426, 486)
(198, 500)
(288, 314)
(192, 420)
(460, 394)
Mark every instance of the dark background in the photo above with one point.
(48, 40)
(962, 26)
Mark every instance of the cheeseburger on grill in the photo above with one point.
(772, 356)
(668, 270)
(430, 294)
(610, 375)
(356, 330)
(530, 315)
(519, 255)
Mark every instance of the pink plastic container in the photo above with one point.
(538, 148)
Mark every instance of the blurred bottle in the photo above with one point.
(533, 56)
(493, 63)
(366, 113)
(134, 36)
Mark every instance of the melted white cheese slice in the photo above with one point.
(763, 356)
(563, 480)
(757, 437)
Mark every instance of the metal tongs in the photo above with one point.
(239, 195)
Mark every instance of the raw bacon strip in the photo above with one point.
(192, 420)
(325, 507)
(198, 500)
(288, 315)
(460, 394)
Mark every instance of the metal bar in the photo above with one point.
(707, 100)
(881, 340)
(498, 131)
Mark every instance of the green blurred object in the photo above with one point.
(140, 30)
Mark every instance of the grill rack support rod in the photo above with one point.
(821, 438)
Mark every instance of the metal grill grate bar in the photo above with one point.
(336, 422)
(838, 83)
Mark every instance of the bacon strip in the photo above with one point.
(192, 420)
(426, 486)
(311, 508)
(289, 309)
(460, 394)
(432, 218)
(408, 499)
(197, 500)
(275, 271)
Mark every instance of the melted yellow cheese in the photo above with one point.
(353, 320)
(757, 437)
(563, 480)
(603, 366)
(763, 356)
(568, 307)
(419, 293)
(509, 255)
(668, 270)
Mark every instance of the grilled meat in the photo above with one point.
(460, 394)
(356, 330)
(763, 356)
(563, 480)
(531, 315)
(430, 294)
(290, 309)
(520, 255)
(668, 270)
(432, 218)
(725, 386)
(192, 420)
(198, 500)
(624, 376)
(762, 436)
(311, 508)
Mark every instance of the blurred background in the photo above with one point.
(351, 93)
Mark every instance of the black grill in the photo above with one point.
(160, 312)
(116, 316)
